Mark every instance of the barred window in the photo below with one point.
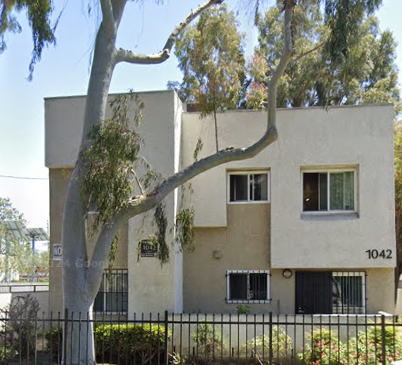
(348, 292)
(247, 286)
(112, 296)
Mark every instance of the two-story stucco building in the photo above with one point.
(307, 226)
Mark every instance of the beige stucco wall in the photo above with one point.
(58, 183)
(278, 235)
(161, 129)
(244, 245)
(154, 287)
(360, 137)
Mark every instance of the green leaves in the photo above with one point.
(211, 57)
(38, 13)
(356, 67)
(110, 160)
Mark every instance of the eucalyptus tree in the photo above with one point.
(366, 74)
(39, 14)
(81, 282)
(211, 58)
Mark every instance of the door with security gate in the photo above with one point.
(314, 292)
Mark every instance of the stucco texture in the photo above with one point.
(244, 245)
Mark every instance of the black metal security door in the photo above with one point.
(314, 292)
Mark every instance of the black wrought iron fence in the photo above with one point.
(191, 339)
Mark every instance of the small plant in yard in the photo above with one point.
(323, 348)
(243, 309)
(208, 339)
(281, 346)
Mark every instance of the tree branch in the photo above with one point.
(151, 199)
(138, 181)
(286, 55)
(294, 60)
(130, 57)
(107, 13)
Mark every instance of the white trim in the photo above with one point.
(248, 173)
(251, 301)
(328, 171)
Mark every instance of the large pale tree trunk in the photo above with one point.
(81, 279)
(82, 275)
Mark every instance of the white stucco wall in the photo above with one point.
(360, 137)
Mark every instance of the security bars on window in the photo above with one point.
(348, 292)
(112, 296)
(251, 286)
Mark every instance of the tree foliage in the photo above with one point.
(13, 252)
(362, 72)
(38, 14)
(9, 213)
(211, 57)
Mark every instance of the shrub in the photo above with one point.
(367, 349)
(323, 348)
(140, 344)
(281, 345)
(54, 340)
(208, 340)
(17, 336)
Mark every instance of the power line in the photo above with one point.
(23, 177)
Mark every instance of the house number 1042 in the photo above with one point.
(375, 254)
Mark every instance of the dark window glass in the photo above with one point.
(238, 188)
(238, 286)
(310, 191)
(258, 286)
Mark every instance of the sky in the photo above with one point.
(64, 70)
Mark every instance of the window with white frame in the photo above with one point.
(112, 296)
(250, 286)
(329, 191)
(248, 186)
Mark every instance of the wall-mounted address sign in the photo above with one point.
(379, 254)
(148, 249)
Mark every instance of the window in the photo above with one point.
(329, 191)
(112, 296)
(330, 292)
(248, 187)
(247, 286)
(348, 292)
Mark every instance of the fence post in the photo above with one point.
(64, 354)
(166, 355)
(383, 343)
(270, 355)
